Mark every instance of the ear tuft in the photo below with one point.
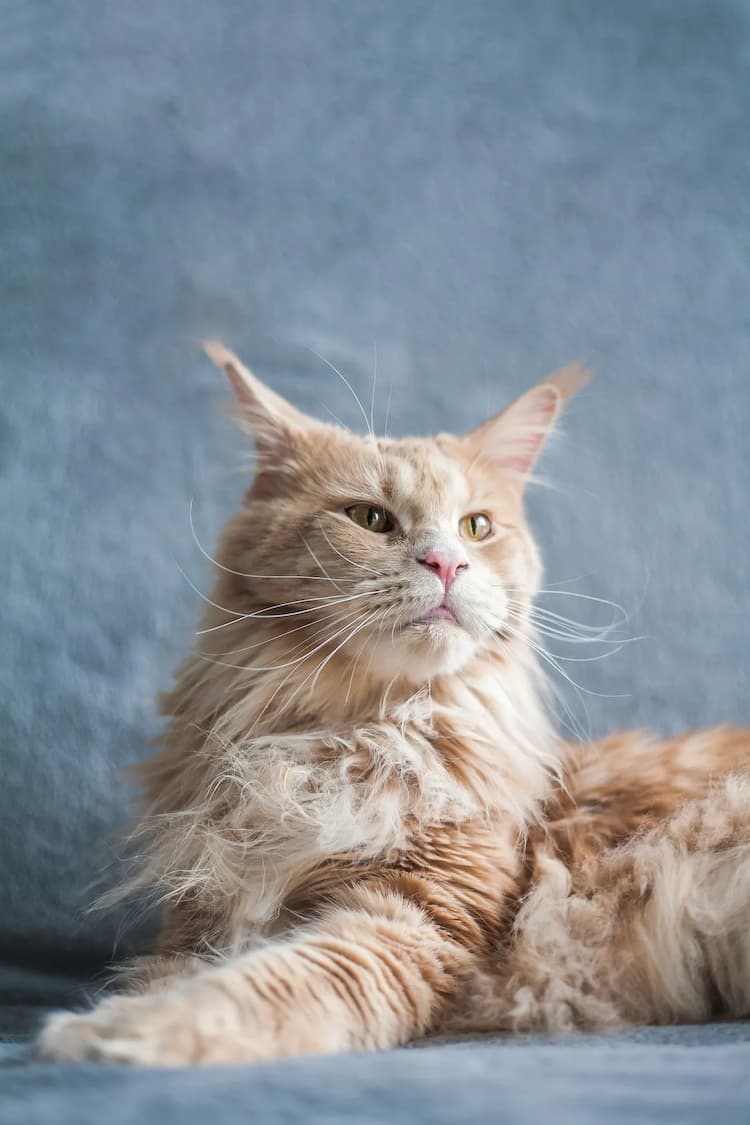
(239, 376)
(571, 379)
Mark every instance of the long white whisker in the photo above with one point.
(360, 566)
(589, 598)
(340, 646)
(372, 653)
(317, 561)
(346, 382)
(572, 639)
(335, 417)
(322, 603)
(276, 667)
(571, 723)
(388, 408)
(239, 616)
(258, 644)
(297, 690)
(552, 661)
(241, 573)
(374, 383)
(558, 618)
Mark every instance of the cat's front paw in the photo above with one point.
(176, 1028)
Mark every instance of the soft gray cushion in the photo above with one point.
(655, 1077)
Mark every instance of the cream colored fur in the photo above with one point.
(363, 825)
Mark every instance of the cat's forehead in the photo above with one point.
(421, 474)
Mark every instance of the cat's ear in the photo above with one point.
(514, 438)
(273, 422)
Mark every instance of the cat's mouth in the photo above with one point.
(437, 613)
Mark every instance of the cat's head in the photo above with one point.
(412, 554)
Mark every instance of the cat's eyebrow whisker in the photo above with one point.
(374, 384)
(346, 383)
(388, 409)
(241, 573)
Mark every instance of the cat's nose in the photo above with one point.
(446, 564)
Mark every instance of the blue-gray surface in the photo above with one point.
(482, 190)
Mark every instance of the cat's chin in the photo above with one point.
(423, 650)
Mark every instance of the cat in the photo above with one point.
(364, 825)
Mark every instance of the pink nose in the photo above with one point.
(447, 565)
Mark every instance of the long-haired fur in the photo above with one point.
(362, 823)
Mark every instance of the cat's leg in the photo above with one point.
(371, 974)
(656, 932)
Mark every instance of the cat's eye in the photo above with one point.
(370, 517)
(476, 526)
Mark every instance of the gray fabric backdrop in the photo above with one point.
(484, 189)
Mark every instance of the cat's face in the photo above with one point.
(411, 555)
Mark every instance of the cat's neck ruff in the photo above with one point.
(254, 790)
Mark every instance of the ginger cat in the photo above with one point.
(364, 825)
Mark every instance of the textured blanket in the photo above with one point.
(458, 197)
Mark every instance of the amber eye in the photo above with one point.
(370, 517)
(476, 526)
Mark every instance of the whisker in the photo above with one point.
(573, 727)
(319, 563)
(374, 383)
(241, 573)
(297, 690)
(372, 650)
(223, 608)
(558, 618)
(265, 616)
(589, 598)
(388, 408)
(258, 644)
(273, 667)
(551, 659)
(346, 382)
(339, 647)
(335, 417)
(360, 566)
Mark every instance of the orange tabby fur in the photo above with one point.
(365, 827)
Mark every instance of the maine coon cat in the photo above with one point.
(362, 822)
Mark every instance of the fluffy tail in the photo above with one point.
(639, 910)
